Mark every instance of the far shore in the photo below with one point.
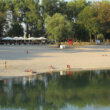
(41, 58)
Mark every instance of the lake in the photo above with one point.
(64, 90)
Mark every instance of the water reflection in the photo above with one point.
(85, 90)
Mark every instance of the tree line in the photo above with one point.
(56, 19)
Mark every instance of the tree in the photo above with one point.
(28, 13)
(2, 16)
(14, 18)
(62, 7)
(102, 11)
(2, 23)
(74, 8)
(89, 20)
(58, 27)
(16, 30)
(34, 18)
(104, 16)
(84, 17)
(49, 7)
(80, 33)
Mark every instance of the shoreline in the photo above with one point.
(39, 59)
(25, 74)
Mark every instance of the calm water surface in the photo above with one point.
(86, 90)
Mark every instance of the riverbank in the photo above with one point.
(39, 59)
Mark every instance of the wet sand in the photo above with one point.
(39, 59)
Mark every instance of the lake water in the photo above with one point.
(84, 90)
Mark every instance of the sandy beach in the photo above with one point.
(38, 58)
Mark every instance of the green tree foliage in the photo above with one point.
(14, 18)
(83, 16)
(34, 18)
(2, 23)
(27, 12)
(58, 27)
(49, 7)
(16, 30)
(62, 7)
(2, 17)
(74, 7)
(89, 20)
(104, 16)
(80, 33)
